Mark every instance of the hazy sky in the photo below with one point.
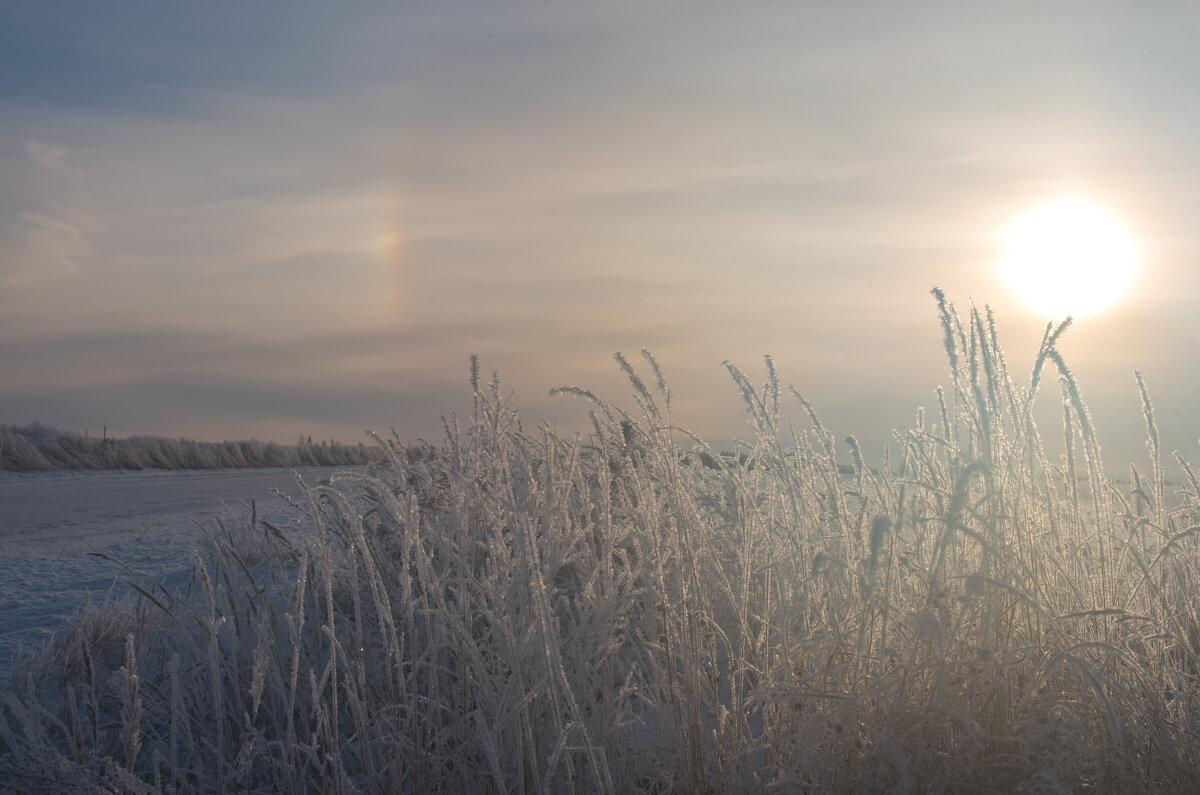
(267, 219)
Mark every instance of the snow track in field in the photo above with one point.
(50, 523)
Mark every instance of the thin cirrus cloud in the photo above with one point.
(266, 201)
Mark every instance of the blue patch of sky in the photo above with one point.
(147, 56)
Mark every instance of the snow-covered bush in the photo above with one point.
(37, 447)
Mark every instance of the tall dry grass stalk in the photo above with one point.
(515, 611)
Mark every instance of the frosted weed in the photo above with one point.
(635, 611)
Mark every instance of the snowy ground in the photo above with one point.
(50, 522)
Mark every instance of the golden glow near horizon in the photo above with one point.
(1069, 257)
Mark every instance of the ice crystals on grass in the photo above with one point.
(928, 627)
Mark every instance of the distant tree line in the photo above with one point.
(37, 447)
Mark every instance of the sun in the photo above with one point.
(1069, 257)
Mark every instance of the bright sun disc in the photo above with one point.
(1069, 258)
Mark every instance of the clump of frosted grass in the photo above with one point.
(514, 611)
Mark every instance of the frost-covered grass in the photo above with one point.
(36, 447)
(518, 612)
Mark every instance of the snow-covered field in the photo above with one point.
(51, 523)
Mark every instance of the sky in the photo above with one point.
(231, 220)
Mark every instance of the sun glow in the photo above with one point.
(1069, 257)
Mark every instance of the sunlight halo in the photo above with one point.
(1069, 257)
